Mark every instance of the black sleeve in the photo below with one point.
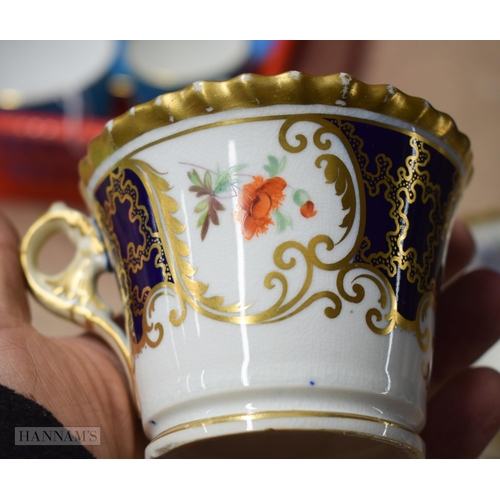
(18, 411)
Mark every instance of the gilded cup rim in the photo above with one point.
(256, 91)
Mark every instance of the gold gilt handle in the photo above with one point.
(72, 292)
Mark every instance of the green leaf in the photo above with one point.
(195, 178)
(300, 197)
(225, 179)
(282, 221)
(273, 162)
(275, 166)
(222, 185)
(203, 205)
(272, 168)
(236, 168)
(201, 220)
(282, 164)
(207, 180)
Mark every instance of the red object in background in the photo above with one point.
(279, 59)
(39, 154)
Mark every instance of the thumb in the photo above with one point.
(14, 307)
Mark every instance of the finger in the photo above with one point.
(13, 301)
(460, 251)
(467, 324)
(465, 416)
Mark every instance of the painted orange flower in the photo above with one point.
(256, 201)
(307, 210)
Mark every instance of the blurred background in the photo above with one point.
(57, 95)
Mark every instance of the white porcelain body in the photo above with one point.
(294, 367)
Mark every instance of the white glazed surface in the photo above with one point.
(206, 368)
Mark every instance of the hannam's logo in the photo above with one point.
(57, 436)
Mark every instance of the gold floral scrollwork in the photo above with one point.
(336, 173)
(152, 327)
(189, 291)
(382, 320)
(352, 282)
(425, 321)
(351, 278)
(335, 170)
(282, 310)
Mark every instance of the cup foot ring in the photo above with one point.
(288, 437)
